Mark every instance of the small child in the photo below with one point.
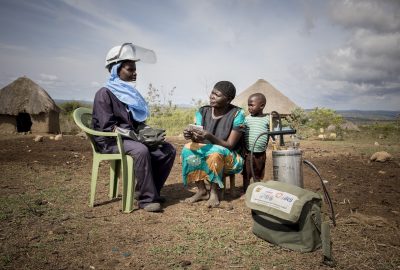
(256, 123)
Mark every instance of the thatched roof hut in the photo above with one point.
(276, 101)
(25, 106)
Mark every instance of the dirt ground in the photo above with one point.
(46, 223)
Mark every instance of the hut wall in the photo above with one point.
(40, 123)
(54, 122)
(45, 122)
(8, 124)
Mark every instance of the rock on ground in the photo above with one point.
(381, 156)
(38, 138)
(58, 137)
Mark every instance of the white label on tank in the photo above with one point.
(276, 199)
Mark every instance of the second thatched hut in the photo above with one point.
(276, 101)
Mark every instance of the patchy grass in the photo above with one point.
(45, 221)
(365, 146)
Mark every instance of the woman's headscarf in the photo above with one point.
(128, 95)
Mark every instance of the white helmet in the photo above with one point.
(129, 51)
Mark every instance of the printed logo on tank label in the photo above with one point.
(276, 199)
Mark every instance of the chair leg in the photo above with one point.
(231, 186)
(115, 173)
(222, 191)
(232, 179)
(232, 182)
(128, 186)
(95, 171)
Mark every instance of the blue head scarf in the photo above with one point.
(128, 95)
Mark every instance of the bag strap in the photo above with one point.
(327, 245)
(326, 194)
(325, 232)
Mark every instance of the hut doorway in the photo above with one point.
(24, 122)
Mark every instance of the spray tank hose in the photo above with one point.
(251, 155)
(269, 134)
(326, 194)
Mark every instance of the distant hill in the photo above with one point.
(351, 115)
(90, 103)
(84, 102)
(369, 115)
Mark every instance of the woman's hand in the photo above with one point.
(187, 134)
(195, 135)
(199, 135)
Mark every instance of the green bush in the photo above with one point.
(308, 123)
(385, 130)
(164, 114)
(69, 106)
(323, 117)
(174, 121)
(297, 118)
(67, 123)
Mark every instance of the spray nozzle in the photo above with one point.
(295, 143)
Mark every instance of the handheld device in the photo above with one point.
(192, 127)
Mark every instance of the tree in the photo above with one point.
(169, 108)
(323, 117)
(70, 106)
(297, 118)
(153, 99)
(158, 108)
(198, 102)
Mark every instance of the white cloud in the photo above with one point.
(7, 47)
(368, 63)
(48, 77)
(377, 15)
(292, 44)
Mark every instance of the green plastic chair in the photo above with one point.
(120, 164)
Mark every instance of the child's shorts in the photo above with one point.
(258, 165)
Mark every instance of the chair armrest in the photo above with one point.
(118, 136)
(103, 133)
(82, 117)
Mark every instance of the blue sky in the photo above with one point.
(334, 54)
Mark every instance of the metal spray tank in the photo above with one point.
(287, 163)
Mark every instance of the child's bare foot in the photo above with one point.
(201, 195)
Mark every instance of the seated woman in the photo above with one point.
(120, 104)
(213, 150)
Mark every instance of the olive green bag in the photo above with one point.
(286, 215)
